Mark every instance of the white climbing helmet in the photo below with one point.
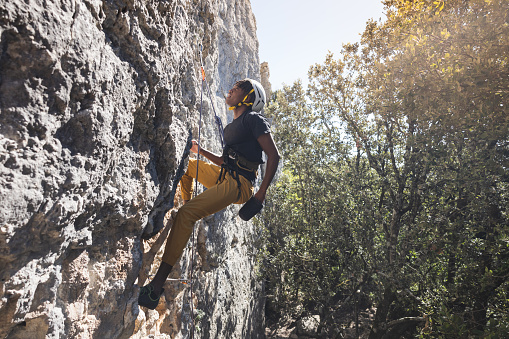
(260, 98)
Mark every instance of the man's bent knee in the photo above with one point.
(188, 214)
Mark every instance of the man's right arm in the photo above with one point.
(215, 159)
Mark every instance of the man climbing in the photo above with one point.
(229, 179)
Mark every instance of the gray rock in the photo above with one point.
(98, 102)
(308, 325)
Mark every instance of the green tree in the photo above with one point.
(311, 218)
(399, 150)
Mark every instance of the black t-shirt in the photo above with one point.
(242, 134)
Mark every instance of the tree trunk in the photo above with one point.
(379, 324)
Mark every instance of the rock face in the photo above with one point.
(265, 78)
(99, 101)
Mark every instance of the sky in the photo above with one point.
(296, 34)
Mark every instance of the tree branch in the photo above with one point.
(406, 320)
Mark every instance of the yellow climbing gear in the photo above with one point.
(243, 102)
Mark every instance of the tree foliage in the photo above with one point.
(394, 190)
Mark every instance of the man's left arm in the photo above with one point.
(269, 147)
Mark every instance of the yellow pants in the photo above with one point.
(216, 197)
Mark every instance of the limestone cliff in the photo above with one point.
(98, 102)
(265, 78)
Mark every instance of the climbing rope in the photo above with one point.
(193, 238)
(190, 280)
(209, 92)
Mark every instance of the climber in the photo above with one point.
(229, 179)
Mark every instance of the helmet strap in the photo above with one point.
(243, 102)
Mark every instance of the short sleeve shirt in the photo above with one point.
(242, 134)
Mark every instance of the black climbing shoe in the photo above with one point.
(148, 298)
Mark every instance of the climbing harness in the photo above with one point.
(233, 163)
(236, 159)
